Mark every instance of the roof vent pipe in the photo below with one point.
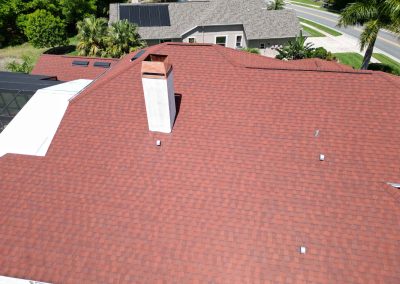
(159, 94)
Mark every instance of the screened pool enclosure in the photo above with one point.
(16, 89)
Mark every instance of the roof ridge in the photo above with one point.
(78, 56)
(291, 68)
(98, 83)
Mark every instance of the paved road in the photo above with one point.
(386, 41)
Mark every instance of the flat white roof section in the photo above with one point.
(33, 128)
(10, 280)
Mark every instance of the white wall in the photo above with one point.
(208, 34)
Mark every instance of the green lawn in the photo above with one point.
(350, 58)
(313, 6)
(309, 2)
(312, 32)
(16, 52)
(320, 27)
(388, 61)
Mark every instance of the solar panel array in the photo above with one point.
(146, 15)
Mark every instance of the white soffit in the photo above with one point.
(33, 128)
(10, 280)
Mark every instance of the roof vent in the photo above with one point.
(102, 64)
(80, 63)
(316, 133)
(321, 157)
(303, 250)
(159, 95)
(158, 142)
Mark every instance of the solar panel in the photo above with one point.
(102, 64)
(137, 55)
(146, 15)
(80, 63)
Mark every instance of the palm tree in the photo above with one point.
(276, 5)
(122, 38)
(91, 34)
(373, 15)
(296, 49)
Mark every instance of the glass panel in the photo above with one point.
(220, 40)
(6, 97)
(239, 41)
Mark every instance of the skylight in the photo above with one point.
(102, 64)
(80, 63)
(137, 55)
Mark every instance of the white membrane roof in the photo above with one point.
(33, 128)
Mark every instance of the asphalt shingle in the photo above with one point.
(258, 22)
(232, 193)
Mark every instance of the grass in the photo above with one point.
(312, 32)
(16, 52)
(320, 27)
(309, 2)
(309, 6)
(350, 58)
(388, 61)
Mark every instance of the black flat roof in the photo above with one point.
(26, 82)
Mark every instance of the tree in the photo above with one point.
(13, 14)
(276, 5)
(122, 38)
(44, 30)
(77, 10)
(91, 36)
(373, 15)
(296, 49)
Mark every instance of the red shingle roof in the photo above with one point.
(232, 193)
(61, 66)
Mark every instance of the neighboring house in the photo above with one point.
(230, 23)
(274, 172)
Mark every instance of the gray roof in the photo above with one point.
(258, 22)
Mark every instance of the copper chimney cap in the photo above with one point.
(156, 66)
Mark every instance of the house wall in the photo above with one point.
(114, 13)
(208, 34)
(269, 49)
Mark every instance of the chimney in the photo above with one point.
(159, 95)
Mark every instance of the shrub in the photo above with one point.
(44, 30)
(296, 49)
(322, 53)
(251, 50)
(25, 66)
(384, 68)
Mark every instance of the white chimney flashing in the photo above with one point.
(159, 95)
